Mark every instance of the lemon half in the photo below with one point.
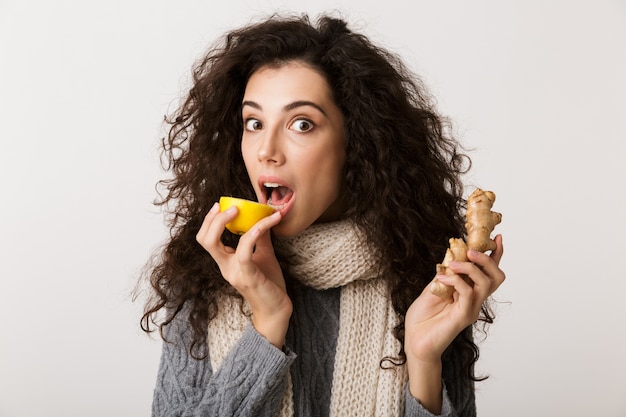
(249, 213)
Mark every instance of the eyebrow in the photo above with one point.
(288, 107)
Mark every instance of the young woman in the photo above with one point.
(319, 309)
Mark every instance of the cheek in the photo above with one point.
(247, 154)
(338, 167)
(333, 174)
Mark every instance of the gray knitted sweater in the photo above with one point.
(252, 378)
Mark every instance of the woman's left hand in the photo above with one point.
(432, 323)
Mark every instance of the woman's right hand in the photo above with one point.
(252, 270)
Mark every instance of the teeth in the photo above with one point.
(269, 186)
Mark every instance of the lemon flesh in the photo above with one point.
(249, 213)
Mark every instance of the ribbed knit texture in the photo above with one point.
(335, 255)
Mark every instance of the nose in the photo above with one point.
(270, 148)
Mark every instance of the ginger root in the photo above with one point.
(480, 222)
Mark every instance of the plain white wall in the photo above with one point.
(538, 88)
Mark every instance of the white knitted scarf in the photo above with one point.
(326, 256)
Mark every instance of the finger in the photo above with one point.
(480, 281)
(206, 223)
(258, 236)
(211, 239)
(496, 255)
(264, 246)
(489, 264)
(463, 290)
(456, 281)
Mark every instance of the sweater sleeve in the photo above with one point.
(250, 381)
(413, 408)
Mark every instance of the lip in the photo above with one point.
(275, 179)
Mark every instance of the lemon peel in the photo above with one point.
(249, 213)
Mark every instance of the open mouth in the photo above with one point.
(277, 195)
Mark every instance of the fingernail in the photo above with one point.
(215, 208)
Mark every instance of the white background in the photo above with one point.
(538, 88)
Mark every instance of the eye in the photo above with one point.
(302, 125)
(253, 125)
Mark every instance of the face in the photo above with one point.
(293, 145)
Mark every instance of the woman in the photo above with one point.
(320, 308)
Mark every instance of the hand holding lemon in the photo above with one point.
(249, 213)
(251, 266)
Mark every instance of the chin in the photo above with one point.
(288, 229)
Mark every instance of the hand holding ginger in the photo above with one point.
(480, 223)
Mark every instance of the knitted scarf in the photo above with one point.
(327, 256)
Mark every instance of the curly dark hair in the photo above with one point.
(401, 159)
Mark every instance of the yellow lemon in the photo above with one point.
(250, 212)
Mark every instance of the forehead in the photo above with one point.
(292, 80)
